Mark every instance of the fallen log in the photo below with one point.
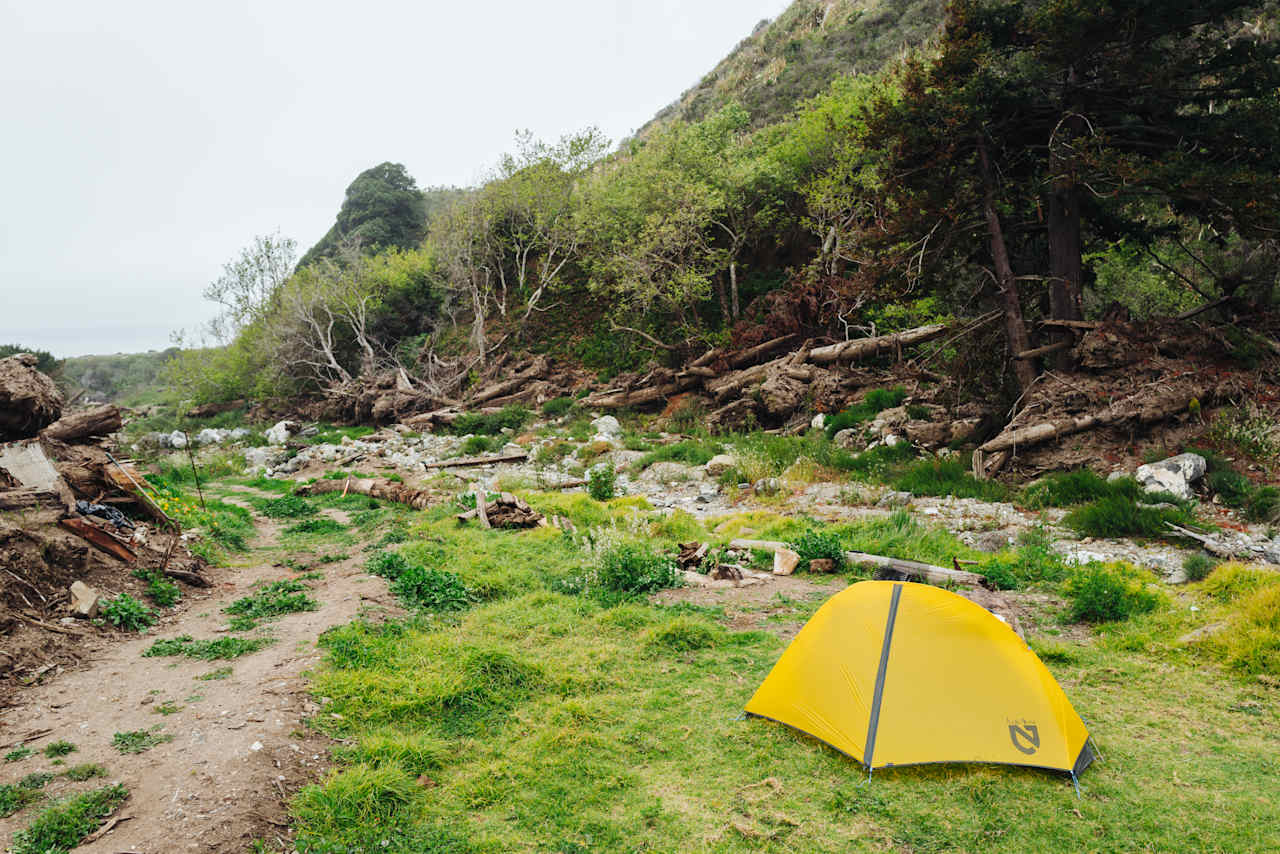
(29, 400)
(99, 539)
(538, 370)
(1211, 545)
(386, 490)
(98, 421)
(744, 357)
(862, 348)
(192, 578)
(1045, 350)
(460, 462)
(1072, 324)
(757, 545)
(25, 499)
(891, 566)
(638, 397)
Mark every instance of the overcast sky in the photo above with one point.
(144, 143)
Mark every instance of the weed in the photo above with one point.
(139, 740)
(817, 544)
(161, 590)
(947, 477)
(1231, 487)
(219, 673)
(552, 452)
(511, 417)
(35, 780)
(286, 507)
(18, 754)
(62, 826)
(1119, 516)
(431, 589)
(128, 614)
(1264, 505)
(168, 707)
(1068, 488)
(557, 406)
(476, 445)
(14, 798)
(271, 600)
(693, 452)
(876, 401)
(86, 771)
(1033, 562)
(689, 416)
(624, 570)
(601, 481)
(682, 634)
(206, 650)
(56, 749)
(1250, 642)
(1108, 593)
(1250, 430)
(1197, 566)
(322, 525)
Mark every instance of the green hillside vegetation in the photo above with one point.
(130, 379)
(1007, 166)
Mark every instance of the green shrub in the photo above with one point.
(557, 406)
(681, 634)
(389, 565)
(1118, 516)
(58, 749)
(1032, 562)
(876, 401)
(632, 567)
(35, 780)
(1250, 642)
(1109, 593)
(62, 826)
(947, 477)
(818, 544)
(1231, 487)
(693, 452)
(323, 525)
(160, 590)
(128, 614)
(1064, 489)
(18, 754)
(475, 445)
(431, 589)
(601, 482)
(86, 771)
(206, 650)
(287, 507)
(1263, 505)
(1197, 566)
(511, 417)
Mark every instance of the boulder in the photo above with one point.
(212, 436)
(281, 431)
(260, 458)
(847, 439)
(767, 486)
(607, 426)
(84, 601)
(785, 562)
(1174, 475)
(239, 433)
(894, 499)
(670, 472)
(819, 421)
(177, 439)
(719, 464)
(991, 541)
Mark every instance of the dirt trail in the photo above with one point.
(239, 747)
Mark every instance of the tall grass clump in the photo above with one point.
(1109, 593)
(876, 401)
(1250, 642)
(1232, 581)
(358, 809)
(1120, 516)
(693, 452)
(947, 477)
(62, 826)
(624, 570)
(511, 417)
(1033, 562)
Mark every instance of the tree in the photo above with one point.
(383, 209)
(247, 284)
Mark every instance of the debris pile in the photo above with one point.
(505, 511)
(70, 513)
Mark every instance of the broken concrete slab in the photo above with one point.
(785, 562)
(84, 601)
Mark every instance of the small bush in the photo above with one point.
(139, 740)
(14, 798)
(691, 452)
(817, 544)
(64, 825)
(1109, 593)
(511, 417)
(1263, 505)
(947, 477)
(1119, 516)
(35, 780)
(601, 482)
(1064, 489)
(87, 771)
(476, 445)
(288, 507)
(1232, 488)
(58, 749)
(128, 614)
(1032, 562)
(1197, 567)
(681, 634)
(431, 589)
(636, 568)
(557, 406)
(160, 590)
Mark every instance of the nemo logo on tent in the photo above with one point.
(1025, 738)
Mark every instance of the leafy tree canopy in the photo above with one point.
(383, 209)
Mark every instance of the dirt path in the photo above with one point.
(239, 749)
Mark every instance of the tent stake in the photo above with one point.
(1075, 782)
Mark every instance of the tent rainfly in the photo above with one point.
(894, 673)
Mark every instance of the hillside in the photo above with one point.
(797, 55)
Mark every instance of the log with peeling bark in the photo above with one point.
(98, 421)
(28, 499)
(640, 397)
(538, 370)
(506, 511)
(386, 490)
(862, 348)
(891, 566)
(99, 539)
(745, 357)
(460, 462)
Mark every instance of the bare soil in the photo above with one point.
(240, 745)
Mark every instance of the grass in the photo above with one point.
(58, 749)
(206, 650)
(947, 477)
(692, 452)
(61, 827)
(285, 507)
(139, 740)
(273, 599)
(18, 754)
(316, 526)
(511, 417)
(86, 771)
(876, 401)
(1105, 594)
(420, 587)
(16, 797)
(1120, 516)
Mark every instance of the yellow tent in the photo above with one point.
(895, 673)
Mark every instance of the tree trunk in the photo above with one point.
(1065, 261)
(723, 298)
(1015, 325)
(733, 287)
(98, 421)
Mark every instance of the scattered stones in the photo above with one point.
(668, 471)
(1174, 475)
(177, 439)
(785, 562)
(84, 601)
(719, 464)
(262, 458)
(894, 499)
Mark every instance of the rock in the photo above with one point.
(893, 440)
(607, 427)
(707, 493)
(177, 439)
(670, 472)
(260, 458)
(280, 432)
(1118, 474)
(310, 431)
(928, 432)
(211, 436)
(768, 486)
(785, 562)
(155, 440)
(991, 541)
(239, 433)
(719, 464)
(846, 438)
(894, 499)
(819, 421)
(84, 600)
(1174, 475)
(822, 564)
(1271, 551)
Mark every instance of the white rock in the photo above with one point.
(719, 464)
(211, 436)
(239, 433)
(607, 426)
(894, 499)
(260, 458)
(177, 439)
(846, 438)
(767, 486)
(1116, 475)
(279, 433)
(1174, 475)
(893, 440)
(84, 600)
(785, 561)
(819, 421)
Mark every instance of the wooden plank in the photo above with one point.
(99, 538)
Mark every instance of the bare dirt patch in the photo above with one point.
(759, 606)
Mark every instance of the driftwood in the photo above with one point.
(744, 357)
(98, 421)
(459, 462)
(24, 499)
(506, 511)
(862, 348)
(28, 399)
(99, 539)
(889, 567)
(1210, 544)
(386, 490)
(192, 578)
(482, 509)
(538, 370)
